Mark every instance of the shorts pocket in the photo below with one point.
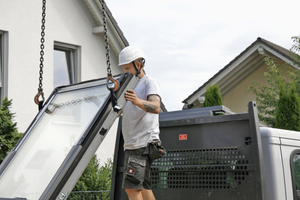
(135, 171)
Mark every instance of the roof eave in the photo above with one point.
(116, 37)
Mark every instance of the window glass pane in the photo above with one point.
(61, 73)
(49, 141)
(296, 166)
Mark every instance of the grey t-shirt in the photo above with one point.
(138, 126)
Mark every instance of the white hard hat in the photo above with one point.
(129, 54)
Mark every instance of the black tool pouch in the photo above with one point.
(155, 150)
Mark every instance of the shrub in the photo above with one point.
(9, 135)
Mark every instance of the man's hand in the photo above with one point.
(131, 96)
(152, 105)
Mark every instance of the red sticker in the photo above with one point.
(183, 137)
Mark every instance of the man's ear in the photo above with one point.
(138, 65)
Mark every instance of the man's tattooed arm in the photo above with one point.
(152, 105)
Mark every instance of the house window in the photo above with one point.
(66, 68)
(3, 64)
(295, 169)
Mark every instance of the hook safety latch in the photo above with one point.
(115, 83)
(37, 96)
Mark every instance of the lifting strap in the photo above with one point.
(40, 89)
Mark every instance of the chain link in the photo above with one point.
(42, 45)
(106, 37)
(40, 89)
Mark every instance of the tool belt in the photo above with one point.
(155, 150)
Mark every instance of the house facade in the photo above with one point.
(74, 50)
(234, 79)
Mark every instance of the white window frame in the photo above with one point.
(3, 65)
(74, 61)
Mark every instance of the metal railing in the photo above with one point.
(90, 195)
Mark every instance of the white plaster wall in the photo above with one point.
(65, 22)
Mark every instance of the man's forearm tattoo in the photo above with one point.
(150, 105)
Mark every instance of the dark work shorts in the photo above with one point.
(137, 170)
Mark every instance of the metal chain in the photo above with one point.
(109, 74)
(40, 89)
(42, 44)
(106, 37)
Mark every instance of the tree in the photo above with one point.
(212, 96)
(105, 175)
(95, 178)
(295, 54)
(296, 49)
(288, 109)
(267, 96)
(9, 135)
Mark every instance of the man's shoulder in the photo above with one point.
(148, 85)
(150, 79)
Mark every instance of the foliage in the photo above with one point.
(267, 96)
(296, 49)
(9, 135)
(295, 54)
(213, 96)
(105, 175)
(288, 109)
(95, 178)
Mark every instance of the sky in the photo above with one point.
(187, 42)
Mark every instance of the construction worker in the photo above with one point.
(140, 125)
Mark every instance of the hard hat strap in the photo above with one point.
(138, 71)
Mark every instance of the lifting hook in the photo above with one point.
(36, 98)
(116, 83)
